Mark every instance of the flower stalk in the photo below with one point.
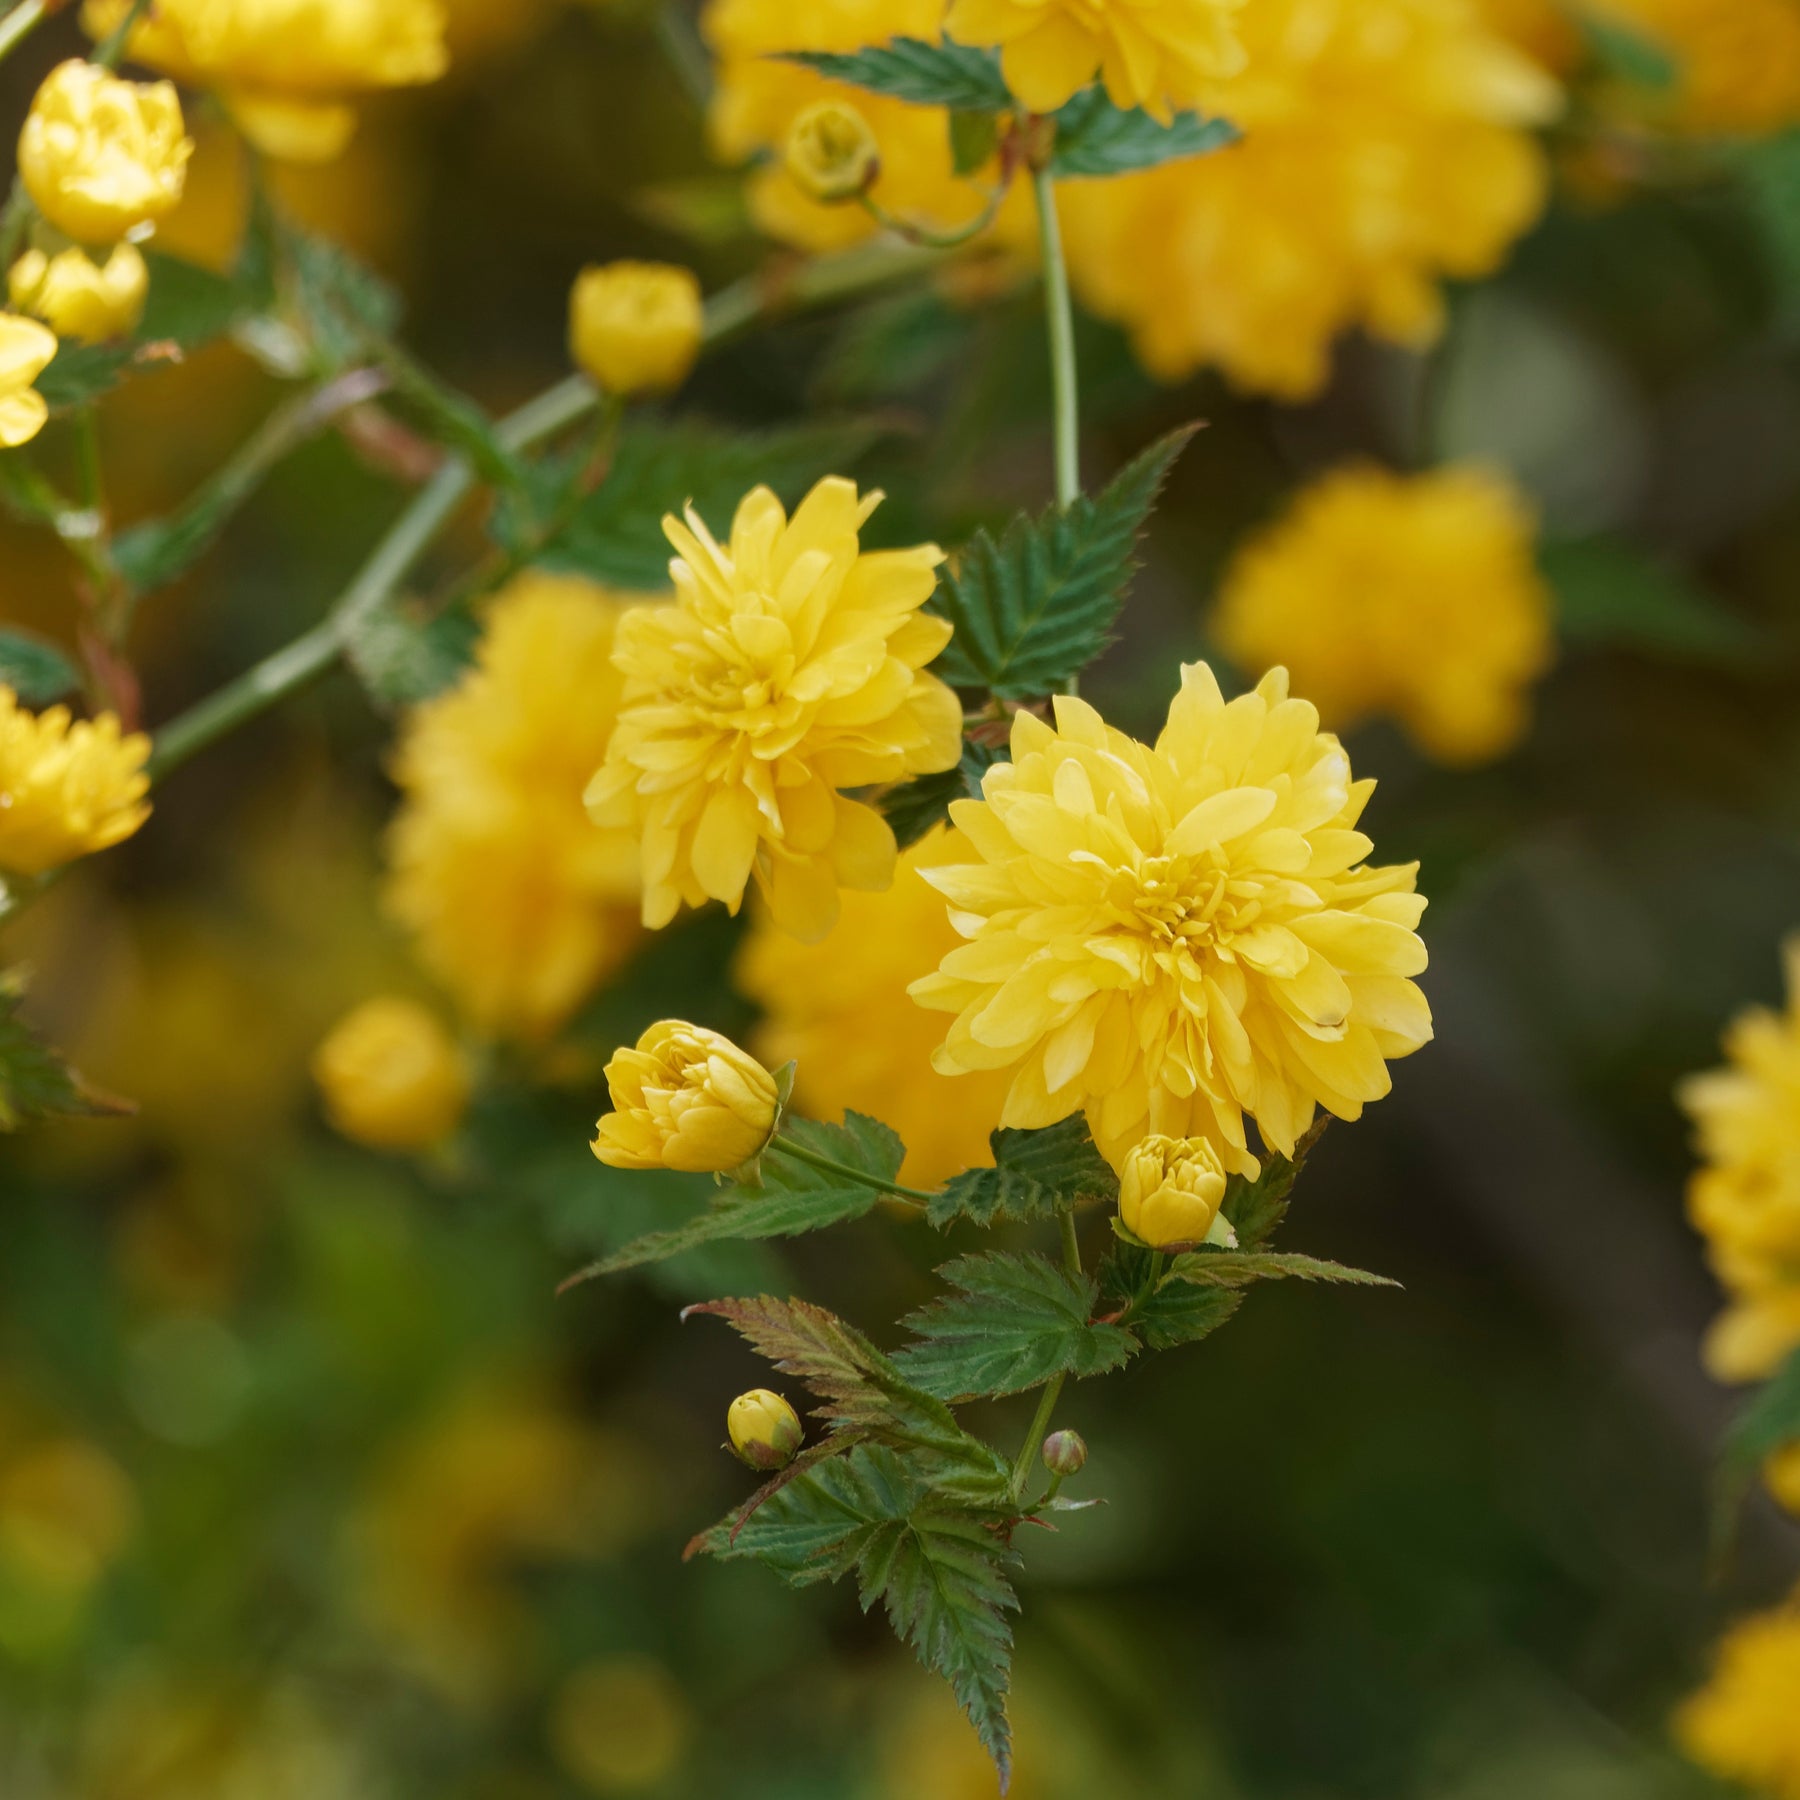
(1060, 316)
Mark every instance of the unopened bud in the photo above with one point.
(831, 152)
(765, 1430)
(1170, 1190)
(1065, 1453)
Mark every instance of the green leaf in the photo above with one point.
(705, 209)
(1036, 1174)
(974, 138)
(1035, 608)
(1631, 55)
(345, 306)
(403, 654)
(36, 671)
(959, 76)
(1094, 137)
(794, 1196)
(1769, 1423)
(616, 535)
(1254, 1209)
(1613, 596)
(915, 807)
(893, 346)
(1159, 1317)
(1240, 1268)
(1013, 1323)
(35, 1083)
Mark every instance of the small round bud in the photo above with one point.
(1065, 1453)
(686, 1098)
(1170, 1190)
(765, 1430)
(831, 152)
(79, 298)
(635, 327)
(392, 1077)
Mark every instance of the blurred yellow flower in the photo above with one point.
(1179, 937)
(831, 151)
(1384, 149)
(686, 1098)
(840, 1010)
(789, 668)
(635, 327)
(757, 97)
(1415, 596)
(1737, 62)
(101, 157)
(67, 1513)
(391, 1076)
(1781, 1475)
(764, 1429)
(1543, 29)
(1744, 1725)
(620, 1724)
(1157, 54)
(1745, 1197)
(1170, 1189)
(516, 902)
(66, 789)
(26, 351)
(78, 298)
(287, 68)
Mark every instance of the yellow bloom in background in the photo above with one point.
(1543, 29)
(621, 1725)
(1737, 63)
(1157, 54)
(1781, 1475)
(67, 788)
(1745, 1197)
(685, 1098)
(757, 98)
(1744, 1725)
(26, 351)
(635, 327)
(101, 157)
(1385, 148)
(840, 1010)
(1170, 1189)
(515, 901)
(391, 1076)
(78, 298)
(831, 151)
(1181, 937)
(789, 668)
(287, 69)
(1412, 596)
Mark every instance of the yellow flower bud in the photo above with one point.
(765, 1430)
(101, 157)
(79, 298)
(635, 327)
(831, 152)
(1170, 1189)
(392, 1077)
(26, 349)
(68, 788)
(686, 1098)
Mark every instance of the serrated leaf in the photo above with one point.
(1034, 608)
(915, 807)
(1242, 1268)
(344, 304)
(1254, 1209)
(794, 1196)
(35, 1082)
(1611, 595)
(893, 346)
(36, 671)
(1094, 137)
(1013, 1323)
(1036, 1174)
(402, 654)
(1159, 1317)
(616, 535)
(959, 76)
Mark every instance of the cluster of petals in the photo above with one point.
(790, 668)
(26, 351)
(685, 1097)
(1744, 1724)
(1179, 938)
(68, 787)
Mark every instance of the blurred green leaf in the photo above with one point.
(1036, 1174)
(1013, 1323)
(894, 345)
(403, 654)
(1631, 55)
(36, 671)
(345, 306)
(974, 137)
(959, 76)
(1035, 608)
(1094, 137)
(1769, 1423)
(916, 807)
(35, 1082)
(705, 209)
(1612, 595)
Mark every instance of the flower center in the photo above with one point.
(1186, 906)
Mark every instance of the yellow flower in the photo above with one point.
(66, 789)
(1781, 1474)
(287, 68)
(101, 157)
(1170, 1189)
(1173, 938)
(686, 1098)
(620, 1724)
(1737, 63)
(831, 152)
(1415, 596)
(1744, 1725)
(1383, 150)
(840, 1010)
(1157, 54)
(635, 327)
(1745, 1197)
(78, 298)
(392, 1077)
(764, 1430)
(757, 98)
(26, 350)
(789, 668)
(516, 903)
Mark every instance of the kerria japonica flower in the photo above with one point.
(1179, 938)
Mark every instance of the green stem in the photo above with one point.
(829, 1166)
(93, 482)
(14, 221)
(684, 52)
(1071, 1244)
(20, 23)
(924, 235)
(1040, 1422)
(113, 46)
(1060, 316)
